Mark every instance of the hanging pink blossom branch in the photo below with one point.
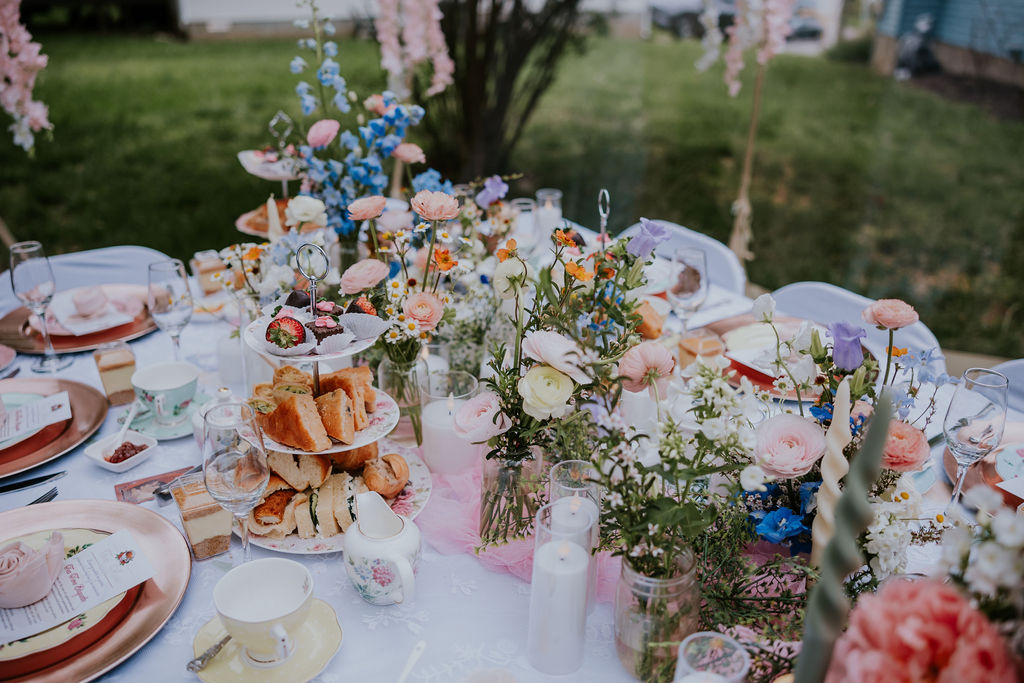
(761, 24)
(20, 62)
(409, 32)
(387, 34)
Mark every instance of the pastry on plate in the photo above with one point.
(348, 377)
(387, 474)
(651, 322)
(287, 374)
(335, 410)
(300, 471)
(355, 458)
(295, 422)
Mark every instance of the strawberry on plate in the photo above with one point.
(361, 305)
(286, 332)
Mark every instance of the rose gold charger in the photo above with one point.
(88, 410)
(17, 331)
(162, 544)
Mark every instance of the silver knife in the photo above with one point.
(34, 481)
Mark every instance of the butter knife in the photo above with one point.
(29, 483)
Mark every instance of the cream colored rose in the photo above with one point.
(545, 392)
(303, 209)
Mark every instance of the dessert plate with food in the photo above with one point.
(310, 501)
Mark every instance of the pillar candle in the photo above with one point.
(558, 607)
(834, 467)
(443, 450)
(549, 217)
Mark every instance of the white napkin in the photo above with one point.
(67, 315)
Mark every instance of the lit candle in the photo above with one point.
(274, 229)
(558, 607)
(443, 451)
(576, 517)
(834, 467)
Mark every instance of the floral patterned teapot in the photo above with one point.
(381, 552)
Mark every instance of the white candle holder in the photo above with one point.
(558, 591)
(549, 211)
(572, 485)
(442, 392)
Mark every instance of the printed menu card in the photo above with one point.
(35, 415)
(93, 576)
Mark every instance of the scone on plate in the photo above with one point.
(295, 422)
(387, 474)
(336, 413)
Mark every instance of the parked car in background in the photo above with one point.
(682, 17)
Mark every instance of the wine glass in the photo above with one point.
(975, 419)
(235, 462)
(170, 299)
(688, 282)
(33, 283)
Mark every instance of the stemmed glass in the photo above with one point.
(975, 419)
(688, 284)
(235, 462)
(170, 299)
(33, 283)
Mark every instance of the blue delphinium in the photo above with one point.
(779, 525)
(297, 65)
(431, 180)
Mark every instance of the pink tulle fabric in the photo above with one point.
(450, 524)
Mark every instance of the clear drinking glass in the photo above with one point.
(32, 281)
(235, 462)
(170, 299)
(975, 419)
(688, 282)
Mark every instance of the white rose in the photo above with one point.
(555, 350)
(303, 209)
(511, 268)
(545, 392)
(752, 478)
(764, 308)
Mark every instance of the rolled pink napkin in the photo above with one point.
(27, 574)
(89, 301)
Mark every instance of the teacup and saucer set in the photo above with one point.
(167, 395)
(279, 632)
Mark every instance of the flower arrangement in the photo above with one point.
(21, 60)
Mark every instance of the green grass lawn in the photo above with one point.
(876, 186)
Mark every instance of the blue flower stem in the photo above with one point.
(319, 59)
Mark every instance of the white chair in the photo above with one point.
(825, 303)
(109, 265)
(724, 269)
(1014, 371)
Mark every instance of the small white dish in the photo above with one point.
(104, 446)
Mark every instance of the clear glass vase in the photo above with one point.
(510, 497)
(400, 380)
(652, 616)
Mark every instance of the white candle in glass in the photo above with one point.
(558, 607)
(571, 515)
(549, 217)
(435, 362)
(443, 450)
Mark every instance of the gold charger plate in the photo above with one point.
(159, 540)
(16, 332)
(88, 410)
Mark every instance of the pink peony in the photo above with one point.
(646, 365)
(480, 418)
(892, 314)
(560, 353)
(322, 133)
(409, 153)
(788, 445)
(919, 631)
(366, 208)
(363, 275)
(906, 447)
(425, 308)
(435, 206)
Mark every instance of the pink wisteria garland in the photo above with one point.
(763, 24)
(20, 61)
(409, 32)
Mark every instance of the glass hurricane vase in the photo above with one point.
(510, 497)
(400, 380)
(652, 616)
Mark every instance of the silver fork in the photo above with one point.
(46, 497)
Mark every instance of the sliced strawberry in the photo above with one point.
(361, 305)
(286, 332)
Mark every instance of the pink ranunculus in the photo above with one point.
(366, 208)
(375, 103)
(645, 366)
(788, 445)
(435, 206)
(409, 153)
(555, 350)
(322, 133)
(906, 447)
(425, 308)
(919, 631)
(480, 418)
(27, 574)
(892, 314)
(363, 275)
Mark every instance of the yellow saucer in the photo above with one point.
(315, 645)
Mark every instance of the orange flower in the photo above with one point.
(510, 248)
(443, 260)
(253, 254)
(564, 239)
(578, 272)
(896, 351)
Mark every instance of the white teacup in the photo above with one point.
(262, 604)
(167, 389)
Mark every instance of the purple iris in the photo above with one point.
(846, 349)
(650, 236)
(494, 189)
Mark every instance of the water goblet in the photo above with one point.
(688, 284)
(235, 463)
(33, 282)
(170, 299)
(974, 421)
